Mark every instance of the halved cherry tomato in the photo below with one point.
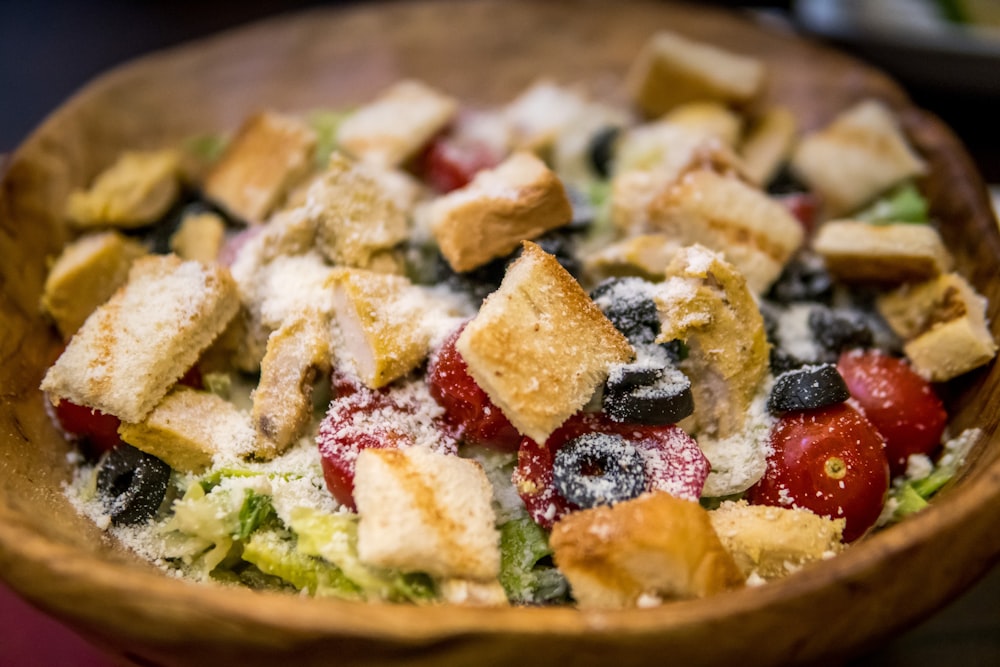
(450, 163)
(471, 414)
(360, 418)
(831, 461)
(673, 463)
(897, 401)
(95, 430)
(804, 206)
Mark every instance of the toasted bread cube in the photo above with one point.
(858, 156)
(672, 70)
(282, 402)
(132, 349)
(356, 219)
(943, 325)
(397, 124)
(539, 346)
(85, 275)
(541, 113)
(706, 302)
(769, 144)
(772, 542)
(520, 199)
(199, 237)
(422, 511)
(889, 254)
(134, 191)
(378, 324)
(642, 552)
(708, 119)
(270, 153)
(473, 593)
(756, 233)
(189, 427)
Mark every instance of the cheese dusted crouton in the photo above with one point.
(357, 221)
(892, 254)
(520, 199)
(943, 325)
(422, 511)
(282, 402)
(85, 275)
(397, 124)
(756, 233)
(188, 427)
(134, 191)
(708, 119)
(859, 155)
(671, 70)
(539, 346)
(379, 328)
(541, 113)
(268, 155)
(706, 303)
(199, 237)
(772, 542)
(769, 144)
(641, 552)
(132, 349)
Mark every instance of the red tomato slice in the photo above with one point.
(831, 461)
(92, 427)
(468, 410)
(362, 418)
(901, 404)
(673, 463)
(450, 163)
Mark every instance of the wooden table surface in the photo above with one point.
(38, 75)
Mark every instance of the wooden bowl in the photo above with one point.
(483, 51)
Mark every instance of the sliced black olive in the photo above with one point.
(802, 280)
(785, 182)
(807, 388)
(132, 483)
(839, 329)
(602, 150)
(598, 469)
(626, 302)
(647, 395)
(782, 361)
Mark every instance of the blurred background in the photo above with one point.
(946, 53)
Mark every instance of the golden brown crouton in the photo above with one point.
(134, 191)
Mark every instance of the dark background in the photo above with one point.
(50, 48)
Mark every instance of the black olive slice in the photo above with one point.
(132, 483)
(807, 388)
(647, 395)
(598, 469)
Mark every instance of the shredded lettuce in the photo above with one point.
(524, 573)
(909, 494)
(325, 124)
(208, 147)
(903, 204)
(274, 553)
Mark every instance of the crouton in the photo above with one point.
(541, 113)
(85, 275)
(520, 199)
(642, 552)
(644, 256)
(397, 124)
(709, 119)
(136, 190)
(943, 324)
(768, 144)
(672, 70)
(422, 511)
(189, 427)
(858, 156)
(889, 254)
(539, 346)
(132, 349)
(772, 542)
(270, 153)
(756, 233)
(199, 237)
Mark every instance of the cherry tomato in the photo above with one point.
(360, 418)
(831, 461)
(901, 404)
(95, 430)
(673, 463)
(468, 410)
(804, 206)
(449, 163)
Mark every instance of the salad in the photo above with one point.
(560, 351)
